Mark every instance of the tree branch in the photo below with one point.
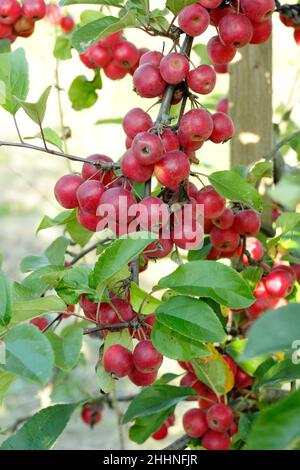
(104, 165)
(88, 250)
(179, 444)
(280, 144)
(111, 326)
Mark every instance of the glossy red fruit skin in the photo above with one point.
(210, 3)
(152, 214)
(261, 32)
(67, 23)
(232, 364)
(224, 240)
(174, 68)
(279, 283)
(255, 249)
(194, 423)
(120, 200)
(89, 307)
(219, 417)
(160, 248)
(90, 171)
(140, 379)
(193, 19)
(133, 169)
(188, 380)
(89, 194)
(214, 203)
(170, 421)
(114, 71)
(218, 13)
(213, 440)
(218, 53)
(10, 11)
(172, 169)
(223, 128)
(34, 9)
(111, 40)
(88, 220)
(151, 57)
(262, 303)
(90, 416)
(202, 79)
(296, 269)
(5, 31)
(147, 148)
(297, 36)
(40, 322)
(208, 398)
(146, 358)
(135, 121)
(233, 429)
(221, 68)
(247, 222)
(196, 124)
(170, 140)
(125, 54)
(118, 361)
(161, 433)
(188, 235)
(108, 313)
(65, 191)
(99, 56)
(225, 220)
(242, 379)
(148, 82)
(258, 10)
(85, 59)
(235, 30)
(222, 106)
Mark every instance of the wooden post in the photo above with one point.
(250, 99)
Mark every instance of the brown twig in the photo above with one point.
(179, 444)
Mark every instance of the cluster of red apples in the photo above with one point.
(19, 19)
(290, 23)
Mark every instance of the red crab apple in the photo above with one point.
(223, 128)
(218, 53)
(88, 220)
(202, 79)
(223, 106)
(10, 11)
(146, 358)
(247, 222)
(172, 169)
(135, 121)
(174, 68)
(213, 440)
(194, 422)
(210, 3)
(90, 171)
(242, 379)
(197, 125)
(34, 9)
(153, 213)
(65, 190)
(99, 55)
(193, 19)
(214, 203)
(67, 23)
(297, 36)
(117, 311)
(125, 54)
(279, 283)
(147, 148)
(170, 140)
(148, 82)
(114, 71)
(90, 415)
(89, 194)
(133, 169)
(160, 248)
(23, 27)
(261, 32)
(151, 57)
(141, 379)
(235, 30)
(40, 322)
(115, 204)
(161, 433)
(225, 220)
(118, 360)
(219, 417)
(258, 10)
(224, 240)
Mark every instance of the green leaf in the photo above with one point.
(201, 51)
(50, 136)
(252, 275)
(73, 283)
(105, 381)
(119, 254)
(28, 354)
(61, 219)
(56, 251)
(82, 92)
(5, 46)
(285, 223)
(236, 349)
(41, 431)
(66, 348)
(43, 279)
(84, 37)
(175, 6)
(25, 310)
(191, 318)
(155, 399)
(212, 373)
(109, 121)
(174, 345)
(78, 233)
(139, 296)
(14, 79)
(281, 372)
(90, 15)
(210, 279)
(260, 170)
(147, 425)
(5, 300)
(275, 330)
(277, 427)
(36, 111)
(62, 48)
(287, 191)
(234, 187)
(6, 379)
(31, 263)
